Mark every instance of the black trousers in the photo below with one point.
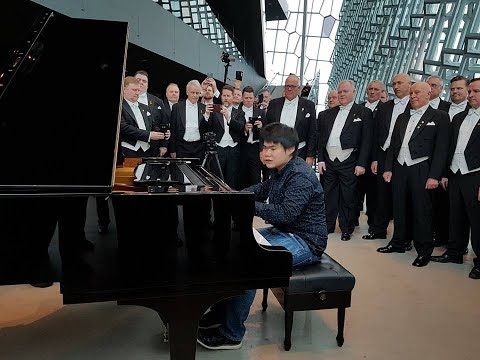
(340, 183)
(194, 149)
(250, 165)
(383, 209)
(410, 198)
(229, 159)
(366, 188)
(464, 214)
(440, 214)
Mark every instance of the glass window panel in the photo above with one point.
(293, 42)
(311, 47)
(328, 24)
(291, 23)
(326, 49)
(315, 23)
(281, 41)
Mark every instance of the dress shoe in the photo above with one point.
(42, 284)
(345, 237)
(421, 260)
(446, 258)
(475, 273)
(213, 339)
(373, 236)
(390, 249)
(408, 246)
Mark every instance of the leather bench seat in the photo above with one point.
(324, 285)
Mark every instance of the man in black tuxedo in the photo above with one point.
(188, 125)
(343, 152)
(172, 96)
(138, 128)
(298, 113)
(464, 183)
(156, 108)
(458, 95)
(250, 165)
(385, 120)
(228, 125)
(415, 163)
(436, 84)
(367, 183)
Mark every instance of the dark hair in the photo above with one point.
(460, 78)
(473, 80)
(228, 87)
(141, 72)
(279, 133)
(248, 89)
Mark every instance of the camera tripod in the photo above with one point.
(208, 158)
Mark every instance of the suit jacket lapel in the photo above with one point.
(300, 113)
(350, 117)
(422, 122)
(183, 114)
(475, 132)
(332, 116)
(129, 111)
(146, 118)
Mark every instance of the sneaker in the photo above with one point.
(213, 339)
(209, 321)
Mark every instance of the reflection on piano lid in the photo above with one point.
(162, 175)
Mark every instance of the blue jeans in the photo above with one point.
(236, 309)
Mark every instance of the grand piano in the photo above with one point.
(172, 249)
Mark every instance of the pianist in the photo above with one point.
(296, 210)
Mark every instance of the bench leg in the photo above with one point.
(341, 323)
(287, 343)
(264, 301)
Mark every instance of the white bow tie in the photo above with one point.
(473, 111)
(457, 106)
(401, 101)
(413, 112)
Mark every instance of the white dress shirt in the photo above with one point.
(372, 106)
(248, 114)
(141, 125)
(143, 98)
(457, 108)
(398, 108)
(227, 139)
(459, 162)
(435, 103)
(192, 132)
(404, 157)
(334, 147)
(289, 112)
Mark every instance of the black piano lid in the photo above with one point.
(60, 100)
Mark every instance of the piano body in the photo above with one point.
(173, 248)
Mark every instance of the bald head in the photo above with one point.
(419, 95)
(401, 85)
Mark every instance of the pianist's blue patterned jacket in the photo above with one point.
(295, 203)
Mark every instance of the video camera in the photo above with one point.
(209, 140)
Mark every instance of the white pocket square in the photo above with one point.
(159, 108)
(357, 119)
(307, 116)
(431, 123)
(148, 113)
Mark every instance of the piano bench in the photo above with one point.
(325, 285)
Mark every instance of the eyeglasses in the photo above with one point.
(291, 86)
(435, 86)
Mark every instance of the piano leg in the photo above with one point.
(182, 314)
